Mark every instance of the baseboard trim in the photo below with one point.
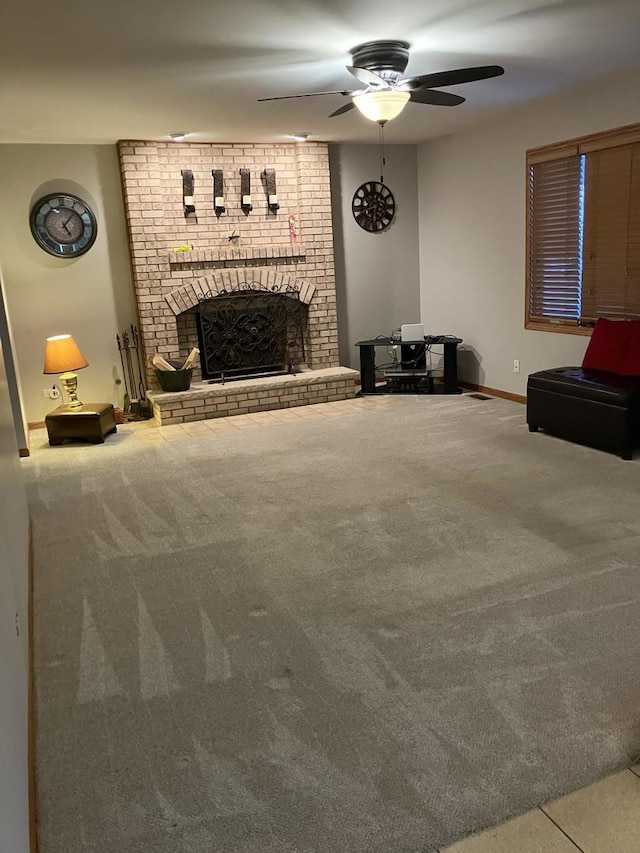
(36, 425)
(494, 392)
(31, 704)
(23, 452)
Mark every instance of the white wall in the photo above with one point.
(90, 297)
(377, 275)
(14, 544)
(472, 230)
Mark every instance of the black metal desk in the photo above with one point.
(412, 363)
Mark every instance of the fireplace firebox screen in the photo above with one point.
(251, 332)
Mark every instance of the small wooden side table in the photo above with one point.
(89, 422)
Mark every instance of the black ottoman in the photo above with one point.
(586, 406)
(89, 422)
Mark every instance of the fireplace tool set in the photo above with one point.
(136, 405)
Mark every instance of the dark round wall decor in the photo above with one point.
(63, 225)
(373, 206)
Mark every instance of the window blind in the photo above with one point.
(611, 271)
(555, 241)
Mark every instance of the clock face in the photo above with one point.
(63, 225)
(373, 206)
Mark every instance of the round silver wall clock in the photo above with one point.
(373, 206)
(63, 225)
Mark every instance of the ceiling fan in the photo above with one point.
(380, 66)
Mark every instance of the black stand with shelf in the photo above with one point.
(411, 375)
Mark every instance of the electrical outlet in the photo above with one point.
(516, 365)
(54, 393)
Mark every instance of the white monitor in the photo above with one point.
(412, 332)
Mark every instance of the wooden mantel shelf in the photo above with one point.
(232, 255)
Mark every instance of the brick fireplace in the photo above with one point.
(187, 300)
(179, 259)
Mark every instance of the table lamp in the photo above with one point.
(62, 355)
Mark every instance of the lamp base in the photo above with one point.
(69, 382)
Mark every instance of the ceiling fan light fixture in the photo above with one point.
(178, 135)
(381, 106)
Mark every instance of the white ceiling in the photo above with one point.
(83, 71)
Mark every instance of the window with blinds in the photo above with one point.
(583, 231)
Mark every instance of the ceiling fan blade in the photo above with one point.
(439, 99)
(451, 78)
(366, 76)
(306, 95)
(343, 109)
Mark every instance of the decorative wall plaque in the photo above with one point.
(373, 206)
(187, 193)
(245, 190)
(272, 196)
(218, 191)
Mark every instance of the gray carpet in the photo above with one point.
(377, 632)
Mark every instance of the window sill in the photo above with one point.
(537, 326)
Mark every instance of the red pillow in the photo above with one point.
(631, 361)
(608, 346)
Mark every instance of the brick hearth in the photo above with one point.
(245, 396)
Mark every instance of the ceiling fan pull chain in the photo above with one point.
(383, 161)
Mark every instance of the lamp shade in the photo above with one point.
(62, 354)
(381, 106)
